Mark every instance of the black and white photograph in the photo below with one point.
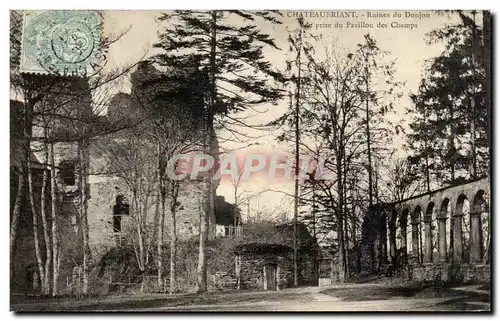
(250, 160)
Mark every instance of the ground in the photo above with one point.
(340, 297)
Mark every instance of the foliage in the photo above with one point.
(262, 248)
(453, 82)
(238, 48)
(239, 77)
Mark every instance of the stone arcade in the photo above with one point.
(440, 235)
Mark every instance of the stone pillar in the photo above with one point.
(415, 250)
(404, 241)
(383, 240)
(265, 278)
(442, 239)
(391, 230)
(392, 239)
(476, 246)
(428, 241)
(457, 238)
(278, 283)
(376, 255)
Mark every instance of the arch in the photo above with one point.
(480, 228)
(431, 238)
(66, 174)
(461, 201)
(403, 237)
(466, 229)
(479, 203)
(429, 211)
(416, 234)
(461, 227)
(445, 209)
(416, 215)
(405, 213)
(445, 212)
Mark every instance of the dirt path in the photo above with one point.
(345, 297)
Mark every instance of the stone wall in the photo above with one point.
(189, 211)
(222, 281)
(251, 269)
(102, 198)
(103, 191)
(452, 273)
(308, 267)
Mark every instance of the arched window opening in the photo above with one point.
(67, 172)
(416, 234)
(444, 230)
(431, 236)
(480, 222)
(120, 208)
(463, 207)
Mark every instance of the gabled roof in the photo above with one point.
(282, 235)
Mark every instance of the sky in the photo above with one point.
(403, 37)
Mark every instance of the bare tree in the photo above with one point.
(335, 115)
(71, 110)
(402, 181)
(225, 53)
(172, 101)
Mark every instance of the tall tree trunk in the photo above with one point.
(208, 202)
(136, 211)
(28, 118)
(160, 217)
(201, 285)
(297, 159)
(173, 238)
(83, 148)
(38, 253)
(473, 98)
(346, 226)
(55, 236)
(16, 211)
(451, 142)
(142, 252)
(341, 250)
(316, 257)
(426, 147)
(236, 203)
(346, 243)
(45, 224)
(161, 226)
(314, 209)
(23, 173)
(368, 137)
(340, 217)
(354, 239)
(487, 68)
(296, 198)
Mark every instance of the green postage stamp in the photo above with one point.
(63, 42)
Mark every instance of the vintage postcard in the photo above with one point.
(235, 160)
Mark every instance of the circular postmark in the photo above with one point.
(63, 42)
